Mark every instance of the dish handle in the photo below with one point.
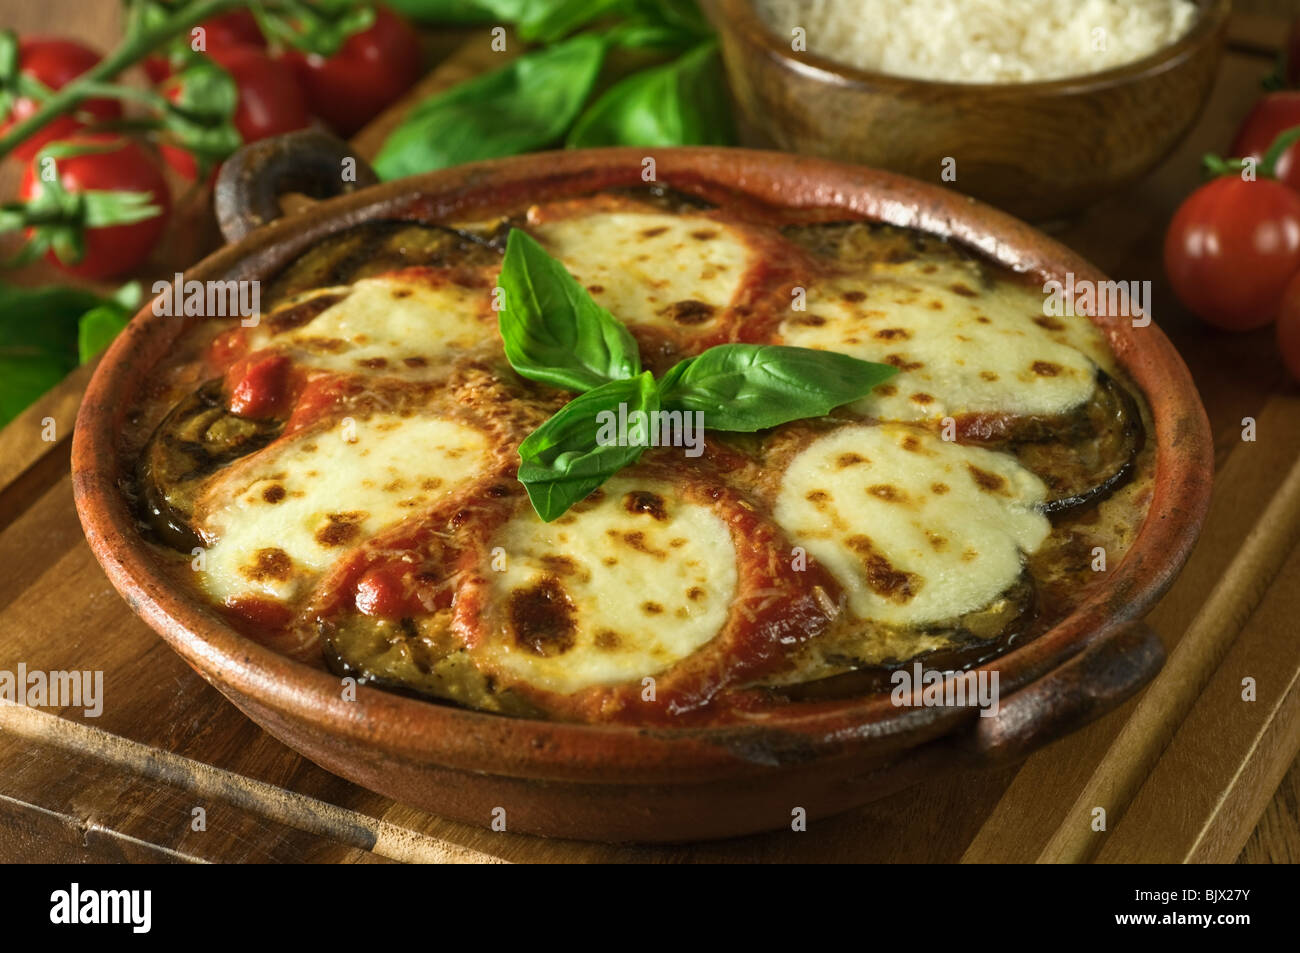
(309, 161)
(1092, 683)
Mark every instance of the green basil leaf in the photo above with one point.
(567, 457)
(748, 387)
(97, 328)
(463, 11)
(527, 104)
(552, 329)
(548, 22)
(38, 341)
(679, 103)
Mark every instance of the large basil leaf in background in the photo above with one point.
(748, 387)
(561, 461)
(548, 22)
(527, 104)
(39, 337)
(679, 103)
(552, 329)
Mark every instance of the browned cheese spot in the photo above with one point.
(596, 289)
(1046, 368)
(887, 492)
(886, 390)
(911, 444)
(342, 528)
(989, 375)
(271, 563)
(695, 593)
(401, 292)
(607, 639)
(902, 363)
(273, 493)
(983, 319)
(1051, 324)
(374, 363)
(652, 608)
(689, 312)
(893, 334)
(989, 482)
(937, 542)
(704, 234)
(848, 460)
(881, 577)
(810, 320)
(853, 297)
(304, 312)
(958, 288)
(922, 398)
(654, 232)
(541, 618)
(415, 361)
(643, 501)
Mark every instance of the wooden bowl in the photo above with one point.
(622, 783)
(1039, 150)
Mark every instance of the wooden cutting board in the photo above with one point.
(1186, 771)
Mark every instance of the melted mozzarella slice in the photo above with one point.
(609, 592)
(960, 346)
(678, 271)
(918, 530)
(278, 519)
(391, 324)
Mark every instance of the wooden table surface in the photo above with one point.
(1187, 771)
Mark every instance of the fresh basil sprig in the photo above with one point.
(748, 387)
(562, 461)
(555, 333)
(552, 329)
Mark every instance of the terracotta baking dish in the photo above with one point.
(623, 783)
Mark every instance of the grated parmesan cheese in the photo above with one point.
(982, 41)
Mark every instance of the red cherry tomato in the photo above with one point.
(1288, 328)
(371, 70)
(110, 250)
(1231, 249)
(1272, 115)
(54, 63)
(238, 28)
(270, 101)
(382, 592)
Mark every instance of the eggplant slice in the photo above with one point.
(373, 248)
(418, 657)
(839, 665)
(1087, 455)
(198, 437)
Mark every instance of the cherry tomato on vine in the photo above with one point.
(1231, 249)
(1288, 328)
(54, 63)
(371, 70)
(270, 101)
(120, 166)
(237, 28)
(1271, 116)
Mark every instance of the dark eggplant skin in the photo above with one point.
(1088, 455)
(376, 247)
(198, 437)
(972, 639)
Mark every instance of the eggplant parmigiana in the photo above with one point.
(339, 481)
